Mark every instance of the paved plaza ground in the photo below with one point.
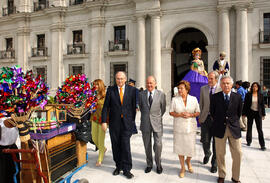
(255, 166)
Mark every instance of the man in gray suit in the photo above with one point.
(152, 103)
(206, 121)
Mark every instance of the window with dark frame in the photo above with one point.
(265, 69)
(119, 33)
(10, 4)
(77, 36)
(79, 1)
(266, 27)
(42, 2)
(9, 43)
(75, 69)
(41, 40)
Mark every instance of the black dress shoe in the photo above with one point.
(159, 170)
(213, 169)
(248, 144)
(148, 169)
(116, 171)
(128, 175)
(220, 180)
(205, 159)
(263, 148)
(235, 181)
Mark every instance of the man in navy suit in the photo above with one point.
(120, 104)
(226, 110)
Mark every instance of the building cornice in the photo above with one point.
(23, 31)
(261, 4)
(237, 4)
(120, 18)
(76, 56)
(233, 2)
(188, 10)
(25, 16)
(8, 60)
(57, 27)
(55, 11)
(97, 22)
(115, 5)
(115, 54)
(39, 59)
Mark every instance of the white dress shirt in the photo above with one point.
(123, 89)
(213, 89)
(148, 93)
(229, 94)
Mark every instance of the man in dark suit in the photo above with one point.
(120, 104)
(226, 110)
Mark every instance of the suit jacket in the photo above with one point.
(248, 102)
(152, 117)
(112, 106)
(205, 102)
(223, 116)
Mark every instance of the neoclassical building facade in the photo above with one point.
(57, 38)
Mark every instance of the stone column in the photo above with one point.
(156, 48)
(57, 66)
(212, 55)
(241, 44)
(97, 65)
(22, 47)
(24, 6)
(23, 35)
(141, 57)
(224, 31)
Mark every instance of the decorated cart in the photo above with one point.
(54, 136)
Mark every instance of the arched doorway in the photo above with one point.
(182, 44)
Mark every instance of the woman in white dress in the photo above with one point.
(184, 109)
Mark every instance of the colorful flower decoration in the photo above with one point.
(20, 92)
(78, 91)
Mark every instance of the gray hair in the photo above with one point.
(153, 78)
(225, 77)
(215, 74)
(121, 72)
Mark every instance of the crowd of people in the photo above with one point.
(201, 98)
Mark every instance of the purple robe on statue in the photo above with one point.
(196, 81)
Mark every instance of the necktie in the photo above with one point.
(121, 95)
(211, 92)
(150, 99)
(227, 100)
